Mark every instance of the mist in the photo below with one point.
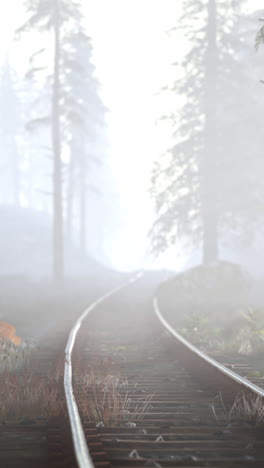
(132, 227)
(140, 151)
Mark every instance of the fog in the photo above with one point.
(130, 138)
(132, 227)
(131, 142)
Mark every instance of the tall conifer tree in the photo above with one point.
(195, 183)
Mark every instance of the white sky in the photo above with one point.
(133, 56)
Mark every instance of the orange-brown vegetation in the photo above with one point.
(8, 331)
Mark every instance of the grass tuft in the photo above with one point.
(246, 407)
(249, 408)
(107, 399)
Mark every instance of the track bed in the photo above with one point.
(141, 402)
(185, 424)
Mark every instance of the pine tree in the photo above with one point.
(194, 184)
(84, 120)
(62, 18)
(260, 36)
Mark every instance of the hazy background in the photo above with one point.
(132, 52)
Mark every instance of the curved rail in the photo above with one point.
(80, 447)
(232, 376)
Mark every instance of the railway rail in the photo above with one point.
(142, 396)
(184, 393)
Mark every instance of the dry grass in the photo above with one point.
(29, 396)
(24, 392)
(246, 407)
(107, 399)
(249, 408)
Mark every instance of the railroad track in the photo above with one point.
(178, 398)
(170, 402)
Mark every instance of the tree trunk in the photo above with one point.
(58, 260)
(83, 203)
(209, 164)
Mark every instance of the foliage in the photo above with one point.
(259, 41)
(80, 104)
(205, 183)
(216, 295)
(244, 335)
(42, 18)
(198, 328)
(250, 337)
(75, 110)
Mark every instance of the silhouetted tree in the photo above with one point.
(194, 184)
(260, 36)
(69, 102)
(85, 120)
(52, 15)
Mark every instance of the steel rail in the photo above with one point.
(212, 362)
(81, 450)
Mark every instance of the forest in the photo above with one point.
(132, 226)
(59, 199)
